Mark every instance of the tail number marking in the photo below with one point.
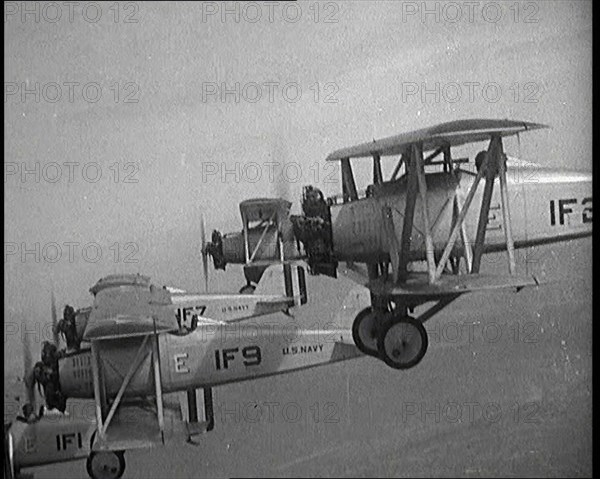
(251, 356)
(564, 209)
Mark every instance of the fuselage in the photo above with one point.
(545, 206)
(208, 356)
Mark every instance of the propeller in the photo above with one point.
(28, 379)
(283, 176)
(204, 253)
(54, 318)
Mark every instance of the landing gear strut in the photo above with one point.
(106, 464)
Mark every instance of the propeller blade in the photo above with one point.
(204, 253)
(54, 318)
(28, 371)
(279, 154)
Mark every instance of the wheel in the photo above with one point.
(105, 464)
(247, 289)
(402, 343)
(365, 330)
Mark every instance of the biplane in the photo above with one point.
(267, 235)
(440, 211)
(432, 209)
(149, 357)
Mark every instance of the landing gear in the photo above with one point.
(364, 332)
(106, 464)
(402, 343)
(247, 289)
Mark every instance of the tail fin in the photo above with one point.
(284, 279)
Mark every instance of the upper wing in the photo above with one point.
(130, 310)
(259, 209)
(453, 133)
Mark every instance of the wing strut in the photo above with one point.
(491, 167)
(262, 236)
(348, 184)
(409, 213)
(394, 248)
(460, 221)
(494, 163)
(121, 435)
(420, 172)
(158, 387)
(139, 357)
(246, 240)
(96, 379)
(377, 175)
(397, 168)
(510, 245)
(468, 250)
(447, 159)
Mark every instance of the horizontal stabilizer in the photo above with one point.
(417, 285)
(287, 279)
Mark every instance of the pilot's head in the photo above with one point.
(49, 353)
(68, 312)
(479, 159)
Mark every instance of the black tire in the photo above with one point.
(120, 456)
(356, 332)
(414, 331)
(247, 289)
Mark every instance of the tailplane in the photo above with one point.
(287, 279)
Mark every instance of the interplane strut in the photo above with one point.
(494, 164)
(262, 236)
(148, 347)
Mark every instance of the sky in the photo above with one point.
(135, 120)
